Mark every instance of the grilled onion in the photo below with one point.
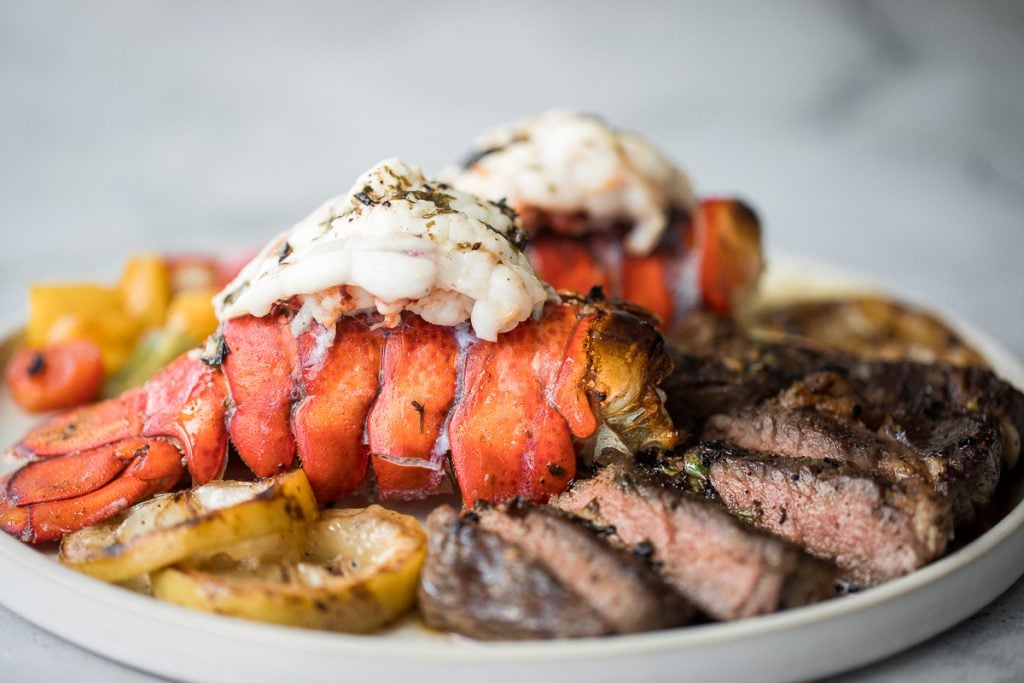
(173, 527)
(356, 571)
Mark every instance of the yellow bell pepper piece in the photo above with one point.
(146, 289)
(114, 332)
(48, 303)
(191, 313)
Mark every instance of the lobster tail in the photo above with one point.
(513, 414)
(260, 368)
(340, 383)
(406, 427)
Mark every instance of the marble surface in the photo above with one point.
(884, 137)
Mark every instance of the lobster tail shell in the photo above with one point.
(340, 382)
(187, 401)
(260, 367)
(513, 414)
(711, 259)
(507, 440)
(628, 364)
(406, 427)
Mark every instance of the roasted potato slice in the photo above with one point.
(175, 526)
(357, 571)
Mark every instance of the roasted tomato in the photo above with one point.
(59, 376)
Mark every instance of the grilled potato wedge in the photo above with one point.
(175, 526)
(356, 571)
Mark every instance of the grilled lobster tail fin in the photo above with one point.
(47, 499)
(92, 462)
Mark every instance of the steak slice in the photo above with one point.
(524, 571)
(957, 428)
(872, 528)
(959, 452)
(965, 421)
(727, 568)
(809, 433)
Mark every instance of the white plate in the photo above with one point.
(803, 643)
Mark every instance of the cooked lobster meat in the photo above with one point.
(606, 209)
(723, 565)
(530, 571)
(397, 324)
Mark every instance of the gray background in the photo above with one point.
(888, 138)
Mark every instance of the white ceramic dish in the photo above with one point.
(799, 644)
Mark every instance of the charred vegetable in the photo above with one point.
(173, 527)
(352, 570)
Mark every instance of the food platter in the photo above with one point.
(798, 644)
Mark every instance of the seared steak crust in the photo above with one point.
(525, 571)
(726, 567)
(956, 428)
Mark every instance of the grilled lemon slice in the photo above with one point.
(176, 526)
(357, 571)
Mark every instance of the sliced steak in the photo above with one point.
(965, 422)
(718, 367)
(523, 571)
(475, 583)
(955, 427)
(872, 528)
(808, 433)
(960, 453)
(620, 585)
(726, 567)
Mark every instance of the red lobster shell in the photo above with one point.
(512, 415)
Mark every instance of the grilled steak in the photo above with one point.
(954, 427)
(873, 529)
(812, 434)
(717, 368)
(726, 567)
(964, 422)
(526, 571)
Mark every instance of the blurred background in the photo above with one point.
(884, 137)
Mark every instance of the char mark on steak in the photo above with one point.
(872, 528)
(524, 571)
(956, 428)
(726, 567)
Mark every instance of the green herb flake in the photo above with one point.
(747, 514)
(694, 466)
